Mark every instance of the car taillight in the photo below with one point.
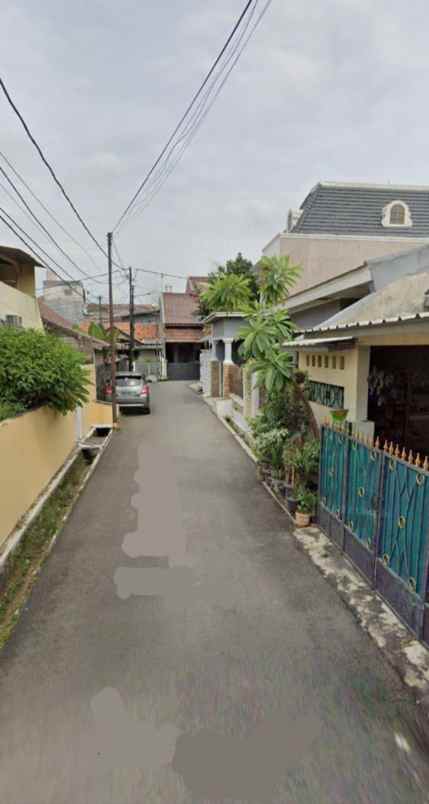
(145, 391)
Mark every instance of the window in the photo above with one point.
(313, 360)
(396, 213)
(319, 361)
(342, 363)
(307, 360)
(334, 362)
(326, 361)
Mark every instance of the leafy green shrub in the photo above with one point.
(303, 458)
(306, 500)
(38, 369)
(286, 410)
(8, 410)
(269, 447)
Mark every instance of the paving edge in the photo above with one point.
(408, 657)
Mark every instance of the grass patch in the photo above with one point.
(26, 561)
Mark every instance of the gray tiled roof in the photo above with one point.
(353, 209)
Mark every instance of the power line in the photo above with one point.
(45, 208)
(39, 222)
(70, 282)
(41, 263)
(49, 167)
(198, 119)
(188, 109)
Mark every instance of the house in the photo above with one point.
(196, 284)
(96, 351)
(148, 345)
(67, 298)
(370, 358)
(143, 313)
(54, 323)
(339, 227)
(18, 304)
(181, 330)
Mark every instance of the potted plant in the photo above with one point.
(339, 415)
(306, 503)
(269, 450)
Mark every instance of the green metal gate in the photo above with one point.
(374, 503)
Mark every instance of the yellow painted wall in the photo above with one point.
(33, 448)
(15, 302)
(353, 378)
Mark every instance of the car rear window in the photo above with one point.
(128, 382)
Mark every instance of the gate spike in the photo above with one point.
(397, 451)
(411, 457)
(425, 464)
(369, 441)
(377, 443)
(417, 460)
(404, 454)
(386, 446)
(391, 448)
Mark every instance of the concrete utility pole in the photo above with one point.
(112, 331)
(100, 318)
(131, 352)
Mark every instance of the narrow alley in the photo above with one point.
(178, 648)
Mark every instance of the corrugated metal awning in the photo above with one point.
(318, 343)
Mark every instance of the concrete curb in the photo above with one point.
(408, 657)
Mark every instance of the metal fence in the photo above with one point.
(183, 371)
(374, 503)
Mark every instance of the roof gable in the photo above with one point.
(357, 209)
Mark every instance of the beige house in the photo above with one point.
(371, 359)
(337, 229)
(18, 304)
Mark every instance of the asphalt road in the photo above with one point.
(178, 648)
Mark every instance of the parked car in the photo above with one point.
(132, 391)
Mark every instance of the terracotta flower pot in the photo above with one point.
(302, 520)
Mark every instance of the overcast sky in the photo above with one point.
(329, 90)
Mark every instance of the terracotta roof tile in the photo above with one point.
(142, 332)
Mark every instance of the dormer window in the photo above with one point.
(396, 214)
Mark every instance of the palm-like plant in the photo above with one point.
(277, 276)
(264, 330)
(274, 370)
(228, 293)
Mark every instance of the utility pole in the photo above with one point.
(100, 319)
(112, 331)
(131, 352)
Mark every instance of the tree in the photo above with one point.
(276, 277)
(97, 331)
(263, 336)
(238, 267)
(227, 293)
(39, 369)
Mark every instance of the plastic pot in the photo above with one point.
(302, 520)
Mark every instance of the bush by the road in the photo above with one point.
(39, 369)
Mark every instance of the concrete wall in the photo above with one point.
(353, 378)
(33, 447)
(16, 302)
(205, 374)
(227, 327)
(323, 257)
(306, 319)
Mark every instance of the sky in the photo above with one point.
(325, 91)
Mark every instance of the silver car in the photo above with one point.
(132, 391)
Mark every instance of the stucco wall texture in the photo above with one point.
(33, 448)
